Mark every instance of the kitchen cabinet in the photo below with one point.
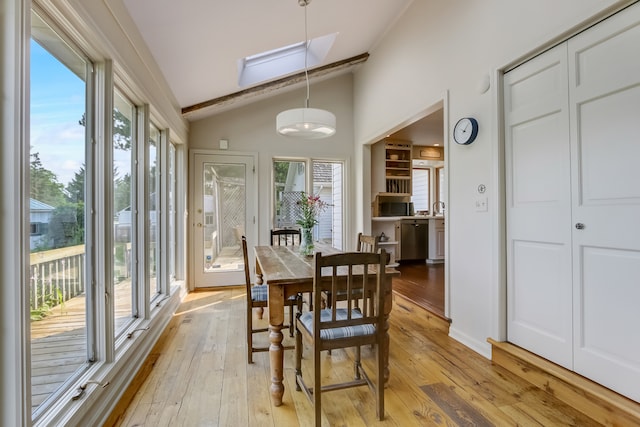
(397, 167)
(436, 240)
(386, 226)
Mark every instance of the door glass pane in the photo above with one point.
(123, 115)
(224, 202)
(289, 182)
(153, 212)
(58, 278)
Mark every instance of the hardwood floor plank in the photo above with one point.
(200, 377)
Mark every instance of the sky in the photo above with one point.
(57, 105)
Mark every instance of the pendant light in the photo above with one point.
(306, 123)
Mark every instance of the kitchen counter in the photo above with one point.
(399, 218)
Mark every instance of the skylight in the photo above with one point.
(283, 61)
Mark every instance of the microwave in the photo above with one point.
(396, 209)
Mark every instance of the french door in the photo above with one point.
(223, 210)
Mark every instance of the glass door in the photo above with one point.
(223, 211)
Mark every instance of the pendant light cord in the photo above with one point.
(306, 50)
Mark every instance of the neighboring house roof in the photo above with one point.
(38, 206)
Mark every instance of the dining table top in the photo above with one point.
(285, 264)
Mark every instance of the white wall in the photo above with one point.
(253, 129)
(444, 50)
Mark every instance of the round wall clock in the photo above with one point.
(465, 131)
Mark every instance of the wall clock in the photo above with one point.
(465, 131)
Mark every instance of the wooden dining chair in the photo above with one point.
(365, 243)
(257, 297)
(289, 237)
(285, 237)
(333, 328)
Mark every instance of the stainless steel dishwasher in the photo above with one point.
(413, 238)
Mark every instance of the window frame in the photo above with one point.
(308, 188)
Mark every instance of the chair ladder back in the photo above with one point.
(247, 272)
(286, 237)
(367, 243)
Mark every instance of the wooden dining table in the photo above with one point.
(287, 273)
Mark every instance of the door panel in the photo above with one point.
(538, 207)
(223, 211)
(605, 110)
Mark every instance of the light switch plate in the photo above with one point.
(224, 144)
(482, 204)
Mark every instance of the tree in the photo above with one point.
(121, 191)
(121, 130)
(75, 188)
(66, 226)
(44, 184)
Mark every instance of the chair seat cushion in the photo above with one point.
(259, 293)
(334, 333)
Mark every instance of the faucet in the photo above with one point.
(438, 208)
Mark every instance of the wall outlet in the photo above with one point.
(482, 204)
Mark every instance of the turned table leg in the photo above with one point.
(276, 350)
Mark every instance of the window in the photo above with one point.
(153, 212)
(284, 60)
(95, 223)
(421, 196)
(290, 179)
(125, 309)
(59, 287)
(39, 228)
(440, 178)
(172, 212)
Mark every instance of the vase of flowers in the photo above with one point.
(310, 207)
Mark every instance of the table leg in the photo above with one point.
(276, 350)
(388, 303)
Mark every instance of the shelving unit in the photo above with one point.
(398, 167)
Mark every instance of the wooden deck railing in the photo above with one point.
(56, 276)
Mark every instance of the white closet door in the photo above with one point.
(605, 121)
(538, 207)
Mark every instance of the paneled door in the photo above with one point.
(572, 154)
(539, 206)
(223, 210)
(604, 82)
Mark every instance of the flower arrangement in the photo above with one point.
(310, 207)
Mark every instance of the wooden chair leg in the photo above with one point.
(380, 385)
(317, 385)
(291, 326)
(298, 356)
(249, 335)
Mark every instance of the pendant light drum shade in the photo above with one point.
(308, 123)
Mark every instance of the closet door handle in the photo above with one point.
(579, 226)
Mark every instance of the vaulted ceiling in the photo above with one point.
(197, 43)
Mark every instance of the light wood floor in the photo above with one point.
(197, 375)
